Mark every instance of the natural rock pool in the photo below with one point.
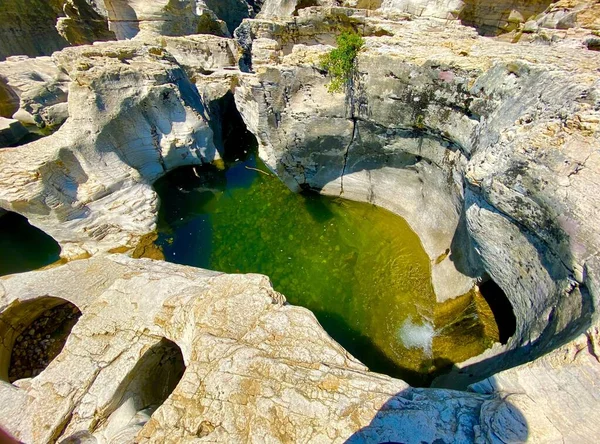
(359, 268)
(24, 247)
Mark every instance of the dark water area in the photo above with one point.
(359, 268)
(24, 247)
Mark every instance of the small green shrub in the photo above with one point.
(340, 62)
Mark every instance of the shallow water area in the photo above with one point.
(359, 268)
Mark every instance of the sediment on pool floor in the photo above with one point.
(358, 267)
(33, 334)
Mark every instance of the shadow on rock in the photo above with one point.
(436, 416)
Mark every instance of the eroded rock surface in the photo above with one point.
(11, 131)
(250, 361)
(484, 143)
(488, 148)
(36, 91)
(134, 114)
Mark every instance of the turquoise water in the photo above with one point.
(24, 247)
(359, 268)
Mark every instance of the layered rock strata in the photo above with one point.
(134, 114)
(36, 27)
(28, 28)
(35, 91)
(474, 142)
(487, 148)
(11, 131)
(256, 369)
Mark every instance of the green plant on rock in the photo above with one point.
(340, 62)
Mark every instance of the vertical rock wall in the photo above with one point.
(29, 27)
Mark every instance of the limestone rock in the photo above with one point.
(286, 8)
(232, 12)
(252, 368)
(255, 367)
(487, 148)
(474, 142)
(550, 391)
(36, 91)
(130, 18)
(40, 27)
(493, 18)
(134, 115)
(442, 9)
(83, 24)
(28, 28)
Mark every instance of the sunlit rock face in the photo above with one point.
(35, 91)
(493, 18)
(487, 148)
(134, 114)
(130, 18)
(468, 133)
(36, 28)
(249, 358)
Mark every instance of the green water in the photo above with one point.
(359, 268)
(24, 247)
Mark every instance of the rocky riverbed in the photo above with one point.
(477, 122)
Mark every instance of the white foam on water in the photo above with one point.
(415, 335)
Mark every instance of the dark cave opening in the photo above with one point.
(501, 308)
(144, 390)
(230, 131)
(23, 246)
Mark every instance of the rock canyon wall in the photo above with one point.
(488, 147)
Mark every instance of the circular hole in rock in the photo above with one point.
(144, 389)
(41, 341)
(501, 308)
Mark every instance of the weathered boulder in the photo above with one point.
(493, 18)
(134, 115)
(130, 18)
(36, 28)
(283, 8)
(234, 363)
(256, 369)
(442, 9)
(36, 91)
